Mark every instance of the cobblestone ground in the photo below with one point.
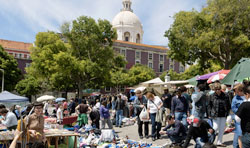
(131, 132)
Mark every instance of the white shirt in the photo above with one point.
(10, 120)
(46, 107)
(59, 115)
(152, 106)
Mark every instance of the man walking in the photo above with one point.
(166, 99)
(119, 106)
(139, 103)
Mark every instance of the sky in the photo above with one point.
(21, 20)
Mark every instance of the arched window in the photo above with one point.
(138, 38)
(126, 36)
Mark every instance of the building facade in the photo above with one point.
(20, 51)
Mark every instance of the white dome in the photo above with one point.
(126, 18)
(127, 24)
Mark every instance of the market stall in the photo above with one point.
(10, 99)
(57, 133)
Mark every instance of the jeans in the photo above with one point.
(156, 127)
(237, 133)
(118, 118)
(198, 114)
(200, 141)
(181, 116)
(140, 123)
(219, 124)
(108, 121)
(245, 139)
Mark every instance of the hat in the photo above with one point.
(37, 104)
(195, 122)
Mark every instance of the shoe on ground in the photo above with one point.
(153, 138)
(141, 137)
(221, 145)
(147, 136)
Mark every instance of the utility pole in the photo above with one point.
(2, 79)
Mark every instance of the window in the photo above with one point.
(126, 36)
(150, 65)
(137, 62)
(160, 67)
(171, 66)
(107, 89)
(181, 68)
(161, 58)
(138, 38)
(19, 56)
(150, 56)
(27, 65)
(123, 52)
(137, 54)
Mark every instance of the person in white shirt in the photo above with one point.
(154, 105)
(45, 109)
(10, 119)
(59, 114)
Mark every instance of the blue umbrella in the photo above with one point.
(60, 99)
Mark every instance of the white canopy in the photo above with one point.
(173, 82)
(153, 81)
(45, 98)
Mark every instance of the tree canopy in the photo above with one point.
(81, 57)
(219, 33)
(29, 86)
(140, 73)
(12, 74)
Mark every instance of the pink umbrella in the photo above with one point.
(215, 78)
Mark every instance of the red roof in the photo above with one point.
(6, 44)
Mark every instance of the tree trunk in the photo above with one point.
(227, 64)
(80, 88)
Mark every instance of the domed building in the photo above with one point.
(129, 43)
(127, 24)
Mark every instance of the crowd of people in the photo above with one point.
(182, 115)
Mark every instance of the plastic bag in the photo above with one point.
(144, 115)
(107, 135)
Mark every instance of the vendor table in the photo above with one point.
(56, 136)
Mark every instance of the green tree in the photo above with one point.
(29, 86)
(119, 78)
(12, 74)
(51, 62)
(220, 33)
(91, 44)
(140, 73)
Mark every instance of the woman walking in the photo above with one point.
(219, 107)
(154, 105)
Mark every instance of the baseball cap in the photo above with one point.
(196, 122)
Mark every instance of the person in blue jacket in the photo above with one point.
(236, 102)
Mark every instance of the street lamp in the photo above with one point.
(2, 79)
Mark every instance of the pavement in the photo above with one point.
(131, 132)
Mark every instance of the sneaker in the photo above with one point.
(141, 137)
(147, 136)
(153, 138)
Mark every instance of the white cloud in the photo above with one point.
(43, 15)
